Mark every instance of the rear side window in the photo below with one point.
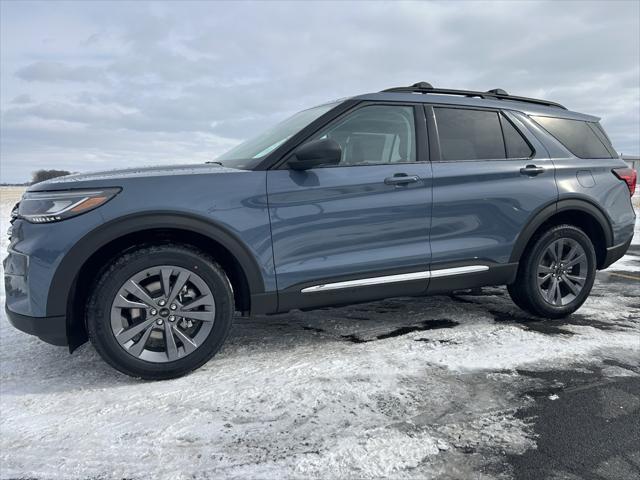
(478, 135)
(604, 138)
(579, 137)
(469, 134)
(516, 145)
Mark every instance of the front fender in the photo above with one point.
(70, 265)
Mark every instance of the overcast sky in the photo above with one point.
(89, 85)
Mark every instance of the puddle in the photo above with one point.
(429, 340)
(426, 325)
(554, 327)
(550, 327)
(314, 329)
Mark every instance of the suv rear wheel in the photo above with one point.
(556, 273)
(161, 311)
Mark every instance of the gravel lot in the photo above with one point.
(460, 386)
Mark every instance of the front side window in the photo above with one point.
(469, 134)
(579, 137)
(373, 135)
(250, 152)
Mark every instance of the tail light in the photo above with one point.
(627, 175)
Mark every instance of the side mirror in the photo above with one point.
(314, 154)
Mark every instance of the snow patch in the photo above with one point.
(382, 452)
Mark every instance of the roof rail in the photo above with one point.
(495, 94)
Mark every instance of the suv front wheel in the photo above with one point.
(160, 311)
(556, 273)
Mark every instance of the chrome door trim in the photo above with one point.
(402, 277)
(446, 272)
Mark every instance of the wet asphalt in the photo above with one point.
(588, 429)
(587, 422)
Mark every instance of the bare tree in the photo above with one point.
(42, 175)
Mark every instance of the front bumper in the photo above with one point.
(52, 330)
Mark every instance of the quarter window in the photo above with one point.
(376, 134)
(577, 136)
(516, 145)
(469, 134)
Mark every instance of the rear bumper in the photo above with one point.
(615, 253)
(52, 330)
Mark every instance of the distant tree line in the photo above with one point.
(42, 175)
(39, 176)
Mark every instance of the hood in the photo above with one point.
(112, 176)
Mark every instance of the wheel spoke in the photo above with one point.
(578, 259)
(170, 342)
(542, 280)
(553, 291)
(138, 347)
(136, 290)
(544, 269)
(557, 295)
(122, 302)
(559, 248)
(180, 282)
(558, 292)
(206, 300)
(577, 279)
(575, 289)
(126, 335)
(203, 316)
(189, 345)
(166, 280)
(572, 253)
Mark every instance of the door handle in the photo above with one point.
(532, 170)
(401, 179)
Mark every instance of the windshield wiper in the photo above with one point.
(214, 162)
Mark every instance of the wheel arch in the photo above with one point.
(74, 276)
(576, 211)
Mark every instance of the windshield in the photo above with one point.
(250, 152)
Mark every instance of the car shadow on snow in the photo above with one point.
(379, 321)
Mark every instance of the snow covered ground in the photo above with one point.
(403, 388)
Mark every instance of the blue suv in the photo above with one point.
(406, 192)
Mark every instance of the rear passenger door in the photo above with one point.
(490, 175)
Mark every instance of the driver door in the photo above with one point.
(358, 230)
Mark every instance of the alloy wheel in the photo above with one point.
(163, 313)
(562, 271)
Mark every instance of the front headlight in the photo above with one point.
(45, 207)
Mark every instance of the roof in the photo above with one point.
(491, 100)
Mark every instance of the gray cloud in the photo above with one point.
(22, 99)
(113, 84)
(44, 71)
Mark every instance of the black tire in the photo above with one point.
(119, 271)
(525, 291)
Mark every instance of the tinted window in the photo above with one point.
(604, 138)
(469, 134)
(579, 138)
(517, 146)
(377, 134)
